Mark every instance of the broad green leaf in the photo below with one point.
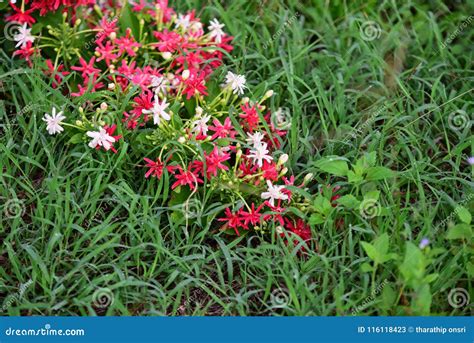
(76, 139)
(463, 214)
(353, 177)
(414, 264)
(422, 301)
(316, 218)
(349, 201)
(389, 297)
(460, 231)
(378, 173)
(381, 245)
(370, 250)
(333, 165)
(373, 195)
(366, 268)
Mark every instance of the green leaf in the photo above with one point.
(76, 139)
(366, 268)
(372, 195)
(414, 264)
(316, 218)
(381, 245)
(322, 205)
(129, 20)
(463, 214)
(388, 297)
(378, 173)
(422, 302)
(430, 278)
(370, 250)
(460, 231)
(349, 201)
(353, 177)
(333, 165)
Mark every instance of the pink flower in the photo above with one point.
(222, 131)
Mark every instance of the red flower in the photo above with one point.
(222, 131)
(156, 168)
(87, 68)
(127, 44)
(21, 17)
(57, 74)
(250, 116)
(214, 161)
(106, 52)
(253, 217)
(233, 221)
(188, 177)
(194, 85)
(299, 227)
(110, 131)
(270, 171)
(26, 52)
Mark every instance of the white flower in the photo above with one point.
(255, 139)
(101, 138)
(274, 193)
(158, 111)
(200, 125)
(53, 122)
(183, 21)
(160, 84)
(236, 82)
(23, 36)
(260, 153)
(216, 30)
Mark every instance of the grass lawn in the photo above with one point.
(367, 87)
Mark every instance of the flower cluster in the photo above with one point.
(185, 105)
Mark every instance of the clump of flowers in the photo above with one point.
(185, 105)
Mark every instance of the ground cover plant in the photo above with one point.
(236, 158)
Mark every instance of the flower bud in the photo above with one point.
(111, 86)
(199, 111)
(78, 123)
(185, 74)
(166, 55)
(104, 106)
(308, 177)
(181, 140)
(283, 159)
(245, 100)
(269, 94)
(284, 171)
(112, 35)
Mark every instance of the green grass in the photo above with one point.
(88, 222)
